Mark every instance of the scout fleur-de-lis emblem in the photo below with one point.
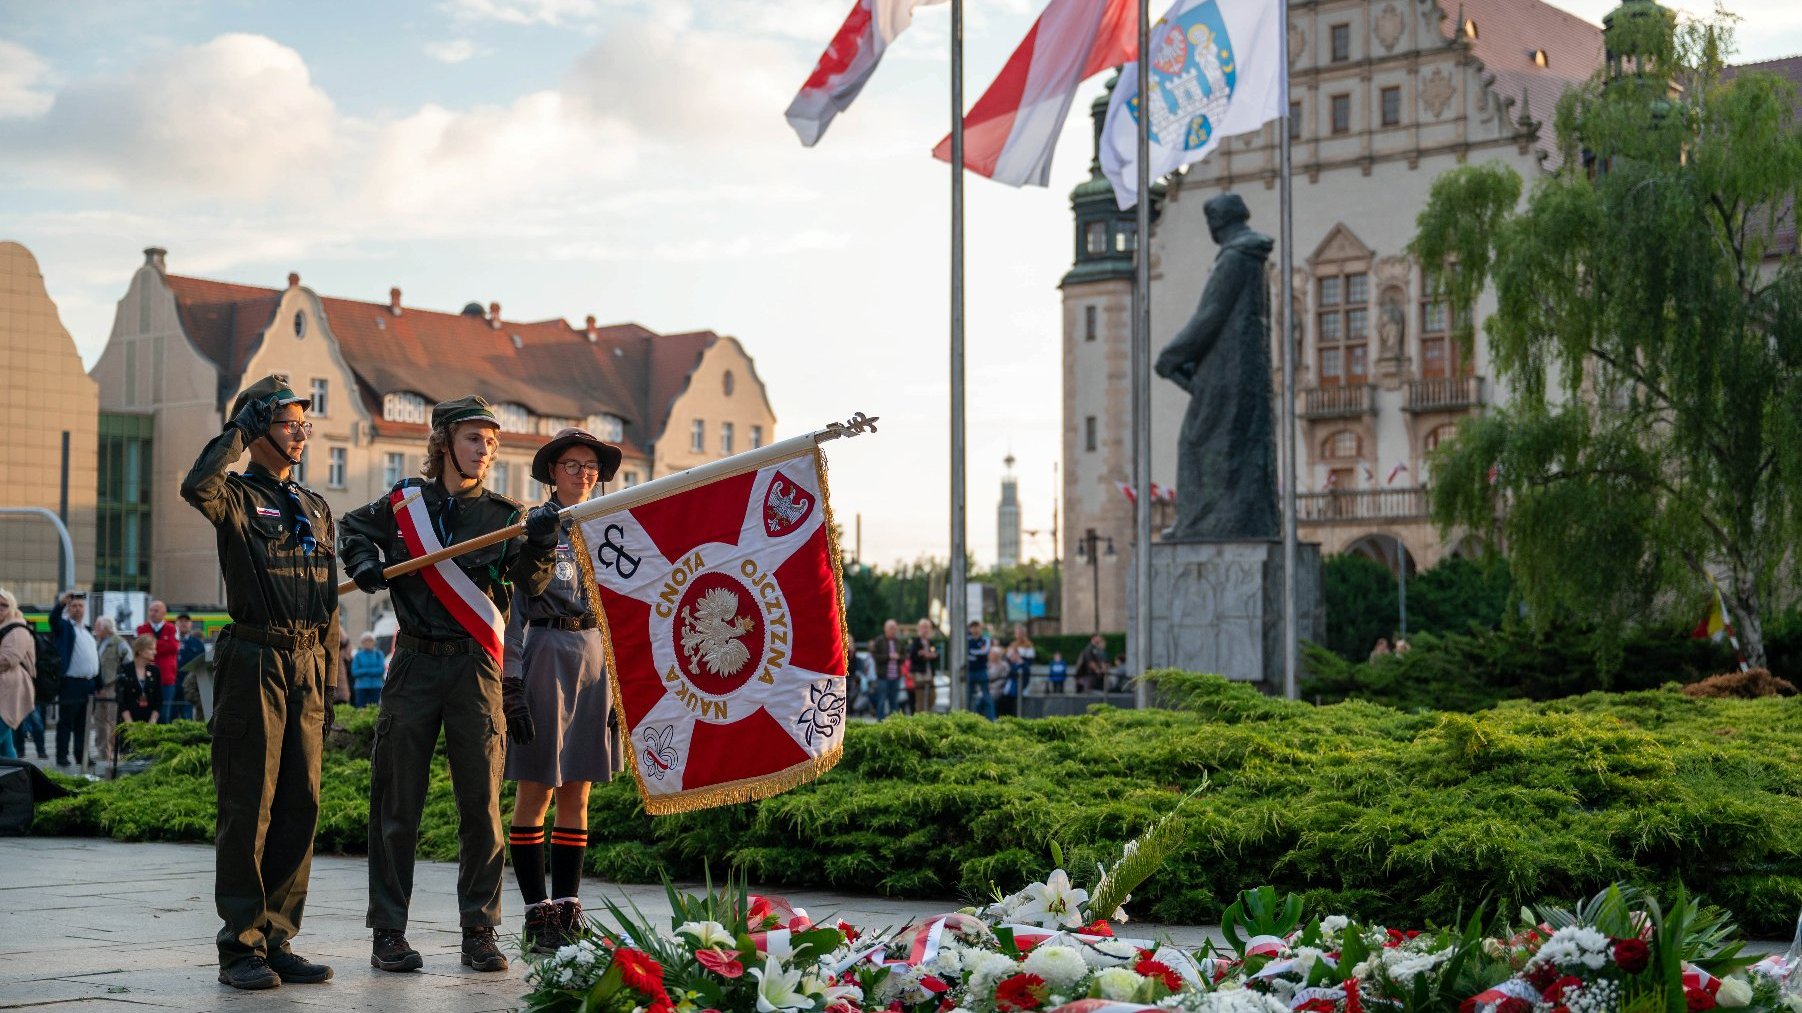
(711, 629)
(660, 750)
(826, 711)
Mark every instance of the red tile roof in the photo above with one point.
(1509, 33)
(548, 366)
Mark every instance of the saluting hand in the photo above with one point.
(254, 418)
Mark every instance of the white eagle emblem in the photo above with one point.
(788, 506)
(711, 629)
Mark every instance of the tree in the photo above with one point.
(1654, 436)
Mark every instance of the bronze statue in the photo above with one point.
(1226, 463)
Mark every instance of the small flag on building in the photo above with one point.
(1216, 71)
(726, 636)
(1126, 489)
(1399, 469)
(846, 65)
(1011, 132)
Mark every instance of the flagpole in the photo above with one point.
(649, 492)
(959, 556)
(1140, 641)
(1291, 645)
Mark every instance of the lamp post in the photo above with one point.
(1088, 547)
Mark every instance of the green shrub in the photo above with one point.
(1407, 817)
(1455, 596)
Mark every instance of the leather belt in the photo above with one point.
(282, 639)
(439, 648)
(569, 624)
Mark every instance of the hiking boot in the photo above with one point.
(391, 952)
(570, 921)
(294, 969)
(480, 950)
(541, 933)
(251, 973)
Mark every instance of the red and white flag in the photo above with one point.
(1011, 131)
(1399, 468)
(726, 636)
(846, 65)
(1126, 489)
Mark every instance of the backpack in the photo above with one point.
(47, 683)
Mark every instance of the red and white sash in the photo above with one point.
(455, 591)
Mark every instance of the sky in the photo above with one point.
(625, 158)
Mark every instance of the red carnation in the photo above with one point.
(724, 964)
(1555, 991)
(1149, 968)
(1098, 927)
(850, 931)
(1632, 955)
(1316, 1006)
(1019, 993)
(1698, 999)
(1542, 976)
(639, 971)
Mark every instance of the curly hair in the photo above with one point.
(435, 446)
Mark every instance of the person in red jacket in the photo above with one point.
(168, 649)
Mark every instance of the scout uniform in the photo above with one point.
(557, 661)
(276, 670)
(446, 674)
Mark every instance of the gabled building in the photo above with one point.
(181, 349)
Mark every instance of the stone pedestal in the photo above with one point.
(1217, 606)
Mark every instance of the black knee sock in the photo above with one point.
(567, 848)
(527, 846)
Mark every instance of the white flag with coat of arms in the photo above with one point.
(1217, 70)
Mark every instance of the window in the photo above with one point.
(335, 467)
(1439, 435)
(1295, 120)
(726, 383)
(631, 479)
(300, 470)
(1540, 59)
(1089, 322)
(1343, 329)
(611, 428)
(1392, 106)
(393, 467)
(403, 406)
(501, 479)
(322, 396)
(300, 324)
(697, 437)
(1126, 238)
(1341, 446)
(1341, 114)
(726, 438)
(1435, 323)
(514, 418)
(756, 437)
(1088, 433)
(1341, 35)
(1095, 238)
(1470, 29)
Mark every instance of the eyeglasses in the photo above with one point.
(302, 429)
(574, 468)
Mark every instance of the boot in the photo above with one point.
(391, 952)
(541, 933)
(570, 921)
(294, 969)
(480, 950)
(251, 973)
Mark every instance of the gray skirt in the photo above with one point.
(566, 689)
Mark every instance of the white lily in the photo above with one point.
(779, 988)
(1053, 903)
(707, 935)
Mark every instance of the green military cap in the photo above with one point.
(468, 408)
(273, 388)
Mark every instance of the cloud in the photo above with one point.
(704, 249)
(523, 12)
(21, 72)
(238, 116)
(450, 50)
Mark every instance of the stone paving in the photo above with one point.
(93, 924)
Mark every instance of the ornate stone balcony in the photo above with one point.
(1339, 402)
(1444, 394)
(1361, 505)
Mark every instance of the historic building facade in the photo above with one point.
(181, 348)
(1384, 96)
(48, 458)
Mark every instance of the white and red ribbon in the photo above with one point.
(472, 609)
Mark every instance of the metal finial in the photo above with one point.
(856, 425)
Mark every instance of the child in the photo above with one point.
(1059, 672)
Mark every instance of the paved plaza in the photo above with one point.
(92, 924)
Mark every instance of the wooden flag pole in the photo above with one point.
(657, 489)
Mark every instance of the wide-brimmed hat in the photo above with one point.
(468, 408)
(605, 454)
(273, 388)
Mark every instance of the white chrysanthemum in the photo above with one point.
(707, 935)
(1404, 968)
(985, 969)
(1305, 959)
(1060, 966)
(1117, 983)
(1735, 991)
(950, 961)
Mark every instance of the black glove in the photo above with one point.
(519, 716)
(541, 526)
(254, 418)
(331, 711)
(369, 577)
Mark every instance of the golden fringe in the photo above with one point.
(750, 789)
(838, 561)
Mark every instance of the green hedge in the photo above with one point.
(1405, 817)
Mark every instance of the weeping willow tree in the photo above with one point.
(1648, 327)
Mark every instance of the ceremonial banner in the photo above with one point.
(1216, 71)
(724, 618)
(846, 65)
